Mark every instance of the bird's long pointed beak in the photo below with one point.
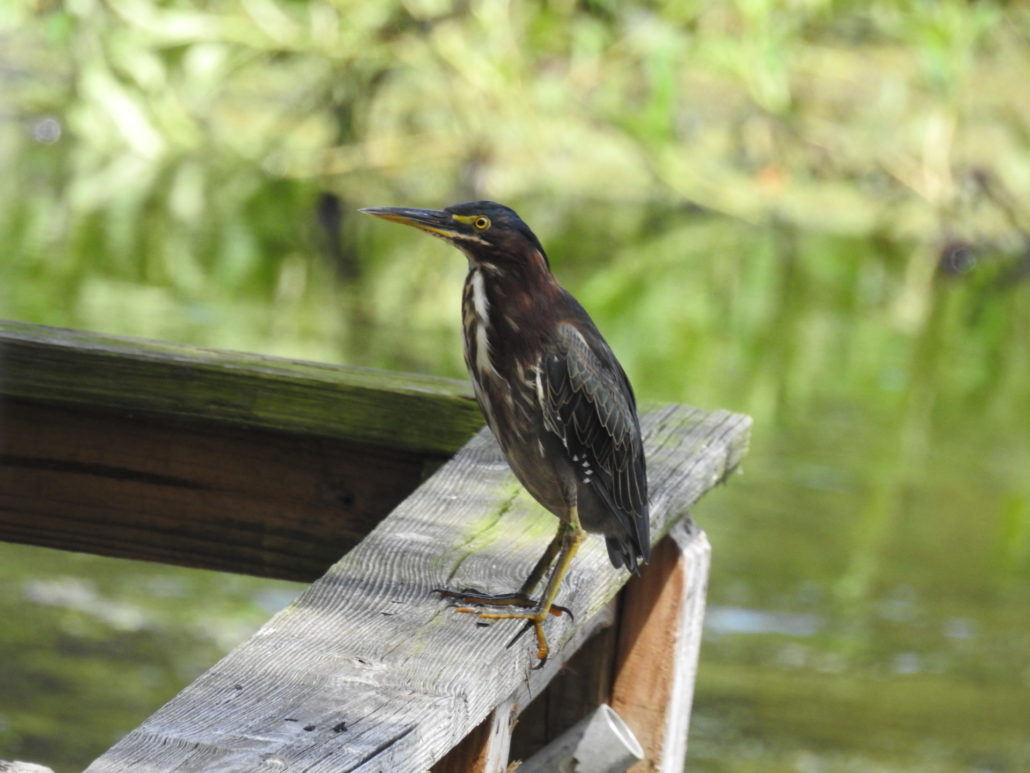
(433, 221)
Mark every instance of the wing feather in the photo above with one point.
(589, 404)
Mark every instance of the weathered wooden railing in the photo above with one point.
(262, 465)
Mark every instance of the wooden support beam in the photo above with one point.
(209, 496)
(485, 749)
(369, 671)
(219, 460)
(643, 666)
(577, 689)
(134, 377)
(661, 616)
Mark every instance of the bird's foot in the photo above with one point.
(534, 616)
(534, 620)
(515, 599)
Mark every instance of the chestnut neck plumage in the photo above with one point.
(505, 300)
(503, 305)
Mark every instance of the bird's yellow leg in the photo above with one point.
(534, 577)
(521, 597)
(571, 537)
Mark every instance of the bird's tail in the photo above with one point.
(622, 552)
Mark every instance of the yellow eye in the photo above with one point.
(481, 223)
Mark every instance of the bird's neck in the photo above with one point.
(515, 296)
(504, 312)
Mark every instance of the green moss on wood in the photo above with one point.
(402, 411)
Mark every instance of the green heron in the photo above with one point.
(552, 392)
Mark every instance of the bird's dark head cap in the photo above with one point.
(484, 230)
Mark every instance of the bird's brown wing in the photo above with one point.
(589, 404)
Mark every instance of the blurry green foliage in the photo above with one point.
(171, 156)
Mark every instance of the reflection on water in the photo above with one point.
(865, 615)
(736, 620)
(97, 644)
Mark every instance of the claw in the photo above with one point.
(534, 620)
(468, 599)
(559, 611)
(472, 596)
(463, 591)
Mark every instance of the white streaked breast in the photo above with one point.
(481, 304)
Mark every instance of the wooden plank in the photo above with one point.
(370, 671)
(485, 749)
(131, 376)
(582, 684)
(22, 767)
(210, 496)
(644, 664)
(661, 617)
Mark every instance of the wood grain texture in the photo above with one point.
(409, 412)
(644, 665)
(209, 496)
(485, 749)
(660, 623)
(368, 670)
(22, 767)
(576, 691)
